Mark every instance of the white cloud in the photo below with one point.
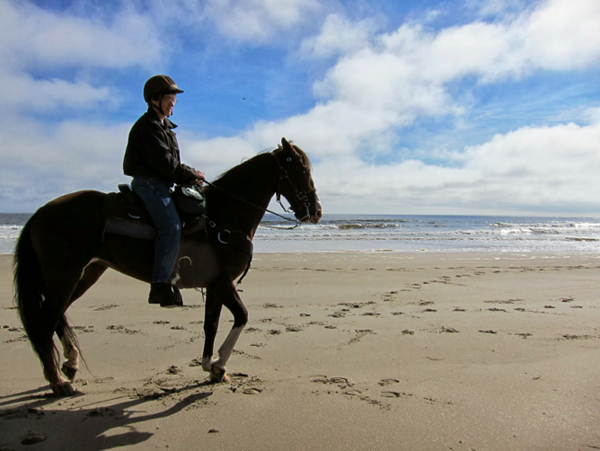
(384, 82)
(259, 20)
(32, 37)
(562, 34)
(32, 95)
(543, 169)
(57, 159)
(338, 36)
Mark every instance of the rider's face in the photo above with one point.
(168, 102)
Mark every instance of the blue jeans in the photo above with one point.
(157, 198)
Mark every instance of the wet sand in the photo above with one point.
(387, 351)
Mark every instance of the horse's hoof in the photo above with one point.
(218, 374)
(69, 372)
(63, 389)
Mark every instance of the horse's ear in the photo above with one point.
(287, 146)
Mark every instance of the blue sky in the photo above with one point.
(413, 107)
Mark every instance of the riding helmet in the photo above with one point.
(159, 84)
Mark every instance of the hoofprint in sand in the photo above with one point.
(342, 351)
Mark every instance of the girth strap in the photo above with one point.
(237, 239)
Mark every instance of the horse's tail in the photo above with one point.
(30, 289)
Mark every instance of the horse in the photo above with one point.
(64, 248)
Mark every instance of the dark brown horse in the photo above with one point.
(64, 249)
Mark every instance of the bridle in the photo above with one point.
(300, 199)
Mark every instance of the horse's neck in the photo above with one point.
(253, 181)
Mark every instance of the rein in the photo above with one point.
(247, 202)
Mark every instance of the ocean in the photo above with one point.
(404, 233)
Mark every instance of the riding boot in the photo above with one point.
(162, 293)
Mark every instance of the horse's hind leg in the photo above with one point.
(65, 333)
(63, 288)
(70, 348)
(45, 348)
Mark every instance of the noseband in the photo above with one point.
(300, 200)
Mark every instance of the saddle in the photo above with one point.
(125, 214)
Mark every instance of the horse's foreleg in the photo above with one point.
(218, 367)
(212, 313)
(233, 302)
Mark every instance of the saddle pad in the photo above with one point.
(122, 218)
(134, 229)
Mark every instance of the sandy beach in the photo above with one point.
(352, 351)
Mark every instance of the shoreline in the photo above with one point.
(345, 351)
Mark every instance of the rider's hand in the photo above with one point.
(200, 179)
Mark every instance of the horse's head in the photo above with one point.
(296, 184)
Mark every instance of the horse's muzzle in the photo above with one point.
(318, 214)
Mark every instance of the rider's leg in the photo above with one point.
(157, 198)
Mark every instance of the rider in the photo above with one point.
(152, 159)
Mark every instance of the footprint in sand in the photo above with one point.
(101, 412)
(394, 394)
(293, 329)
(122, 329)
(342, 382)
(173, 369)
(360, 333)
(86, 329)
(524, 335)
(252, 391)
(448, 330)
(105, 307)
(33, 438)
(249, 330)
(352, 392)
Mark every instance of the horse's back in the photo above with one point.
(75, 200)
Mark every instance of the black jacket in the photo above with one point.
(152, 151)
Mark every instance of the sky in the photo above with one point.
(413, 107)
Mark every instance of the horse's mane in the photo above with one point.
(241, 173)
(244, 172)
